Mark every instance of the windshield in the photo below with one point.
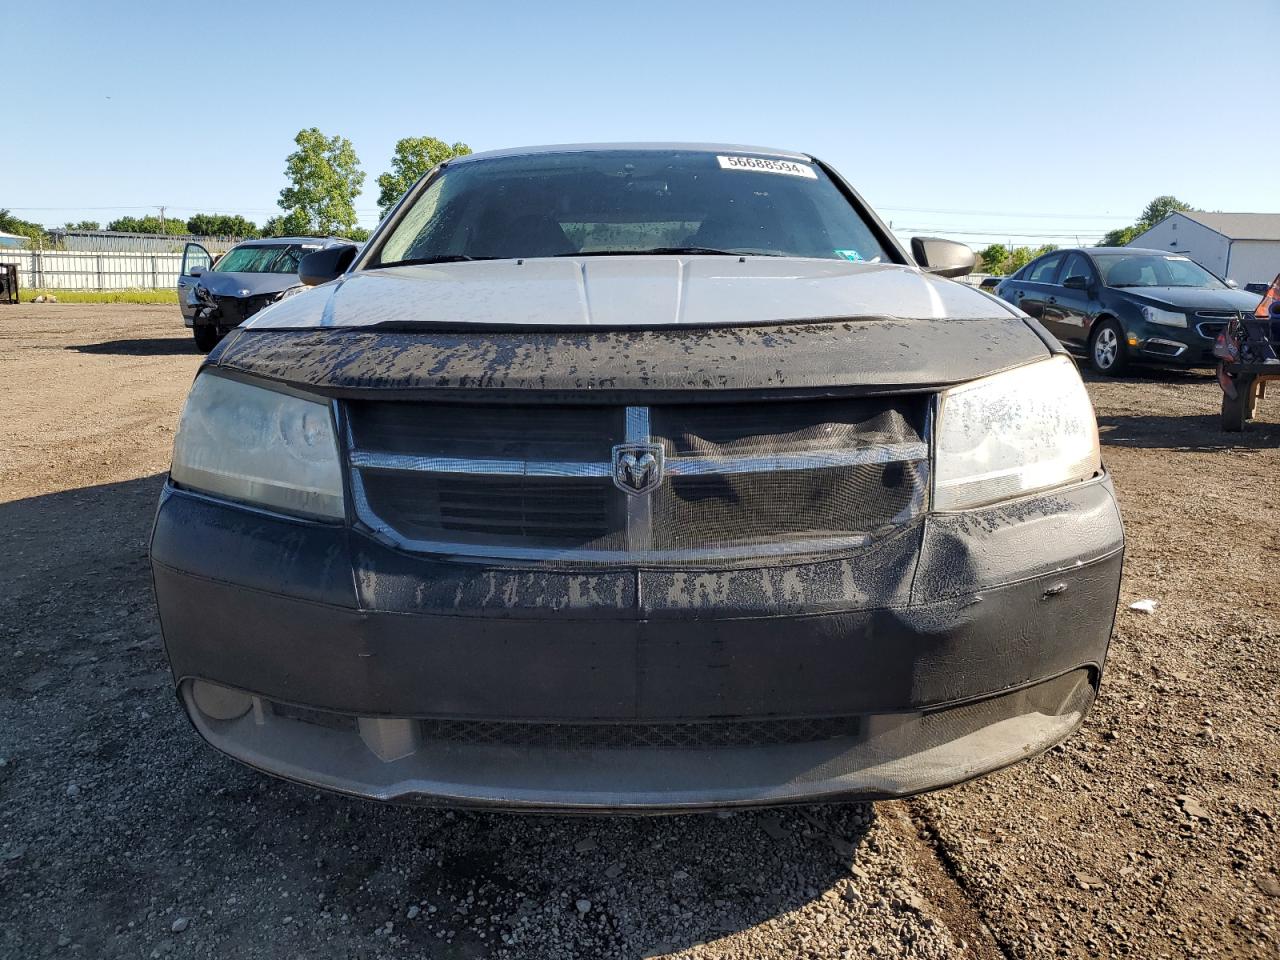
(603, 203)
(1153, 270)
(264, 258)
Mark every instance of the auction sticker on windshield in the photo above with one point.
(761, 165)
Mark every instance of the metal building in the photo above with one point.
(1244, 247)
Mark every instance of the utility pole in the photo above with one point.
(162, 230)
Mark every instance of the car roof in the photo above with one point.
(734, 148)
(1142, 250)
(1089, 251)
(323, 241)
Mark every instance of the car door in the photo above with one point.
(1034, 292)
(194, 256)
(1070, 309)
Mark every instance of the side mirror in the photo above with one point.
(196, 272)
(1076, 283)
(946, 258)
(321, 266)
(1231, 283)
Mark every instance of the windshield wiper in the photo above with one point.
(442, 258)
(668, 251)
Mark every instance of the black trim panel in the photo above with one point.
(828, 358)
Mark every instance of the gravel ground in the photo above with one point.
(1153, 833)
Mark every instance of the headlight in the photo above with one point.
(1167, 318)
(1015, 433)
(261, 446)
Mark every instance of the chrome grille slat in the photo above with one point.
(504, 468)
(765, 479)
(675, 466)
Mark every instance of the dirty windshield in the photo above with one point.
(629, 202)
(268, 258)
(1154, 270)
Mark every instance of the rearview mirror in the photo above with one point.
(196, 272)
(321, 266)
(1231, 283)
(946, 258)
(1076, 283)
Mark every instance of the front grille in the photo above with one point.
(669, 735)
(1210, 329)
(552, 513)
(723, 480)
(235, 310)
(319, 718)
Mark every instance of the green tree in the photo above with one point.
(1153, 213)
(1159, 208)
(1019, 257)
(324, 180)
(1120, 237)
(413, 157)
(287, 225)
(22, 228)
(994, 258)
(84, 225)
(148, 224)
(222, 225)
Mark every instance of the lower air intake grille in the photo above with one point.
(480, 509)
(667, 484)
(755, 732)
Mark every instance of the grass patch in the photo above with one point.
(104, 296)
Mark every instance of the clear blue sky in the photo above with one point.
(1026, 121)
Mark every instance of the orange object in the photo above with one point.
(1270, 302)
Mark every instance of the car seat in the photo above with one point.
(1126, 273)
(526, 235)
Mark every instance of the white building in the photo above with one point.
(1244, 247)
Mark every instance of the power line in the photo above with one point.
(967, 213)
(1001, 233)
(1006, 213)
(202, 207)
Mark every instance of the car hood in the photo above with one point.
(1192, 298)
(246, 284)
(634, 327)
(641, 291)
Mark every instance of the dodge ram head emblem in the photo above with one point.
(637, 467)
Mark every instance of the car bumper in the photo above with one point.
(1170, 345)
(953, 648)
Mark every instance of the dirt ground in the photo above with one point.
(1153, 833)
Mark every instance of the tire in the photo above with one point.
(1236, 413)
(206, 337)
(1108, 353)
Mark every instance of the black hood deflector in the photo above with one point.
(879, 354)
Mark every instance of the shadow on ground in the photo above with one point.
(1189, 433)
(140, 347)
(112, 804)
(1145, 374)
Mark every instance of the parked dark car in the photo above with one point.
(1128, 305)
(216, 296)
(639, 478)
